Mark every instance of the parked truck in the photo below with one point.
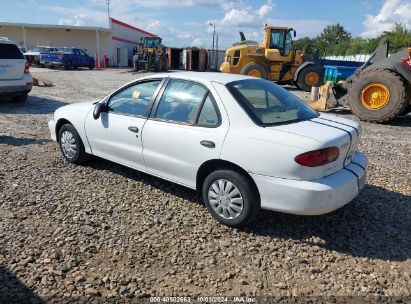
(68, 58)
(33, 56)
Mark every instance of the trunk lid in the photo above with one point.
(327, 131)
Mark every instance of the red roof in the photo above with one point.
(131, 27)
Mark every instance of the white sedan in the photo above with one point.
(245, 143)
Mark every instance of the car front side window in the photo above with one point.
(134, 100)
(181, 101)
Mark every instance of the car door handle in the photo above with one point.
(133, 129)
(207, 144)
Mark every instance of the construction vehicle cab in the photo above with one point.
(274, 59)
(150, 54)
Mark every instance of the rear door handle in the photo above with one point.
(207, 143)
(133, 129)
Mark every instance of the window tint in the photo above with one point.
(288, 43)
(277, 40)
(66, 50)
(208, 115)
(10, 51)
(269, 104)
(181, 101)
(40, 50)
(134, 100)
(82, 53)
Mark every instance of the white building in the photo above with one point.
(116, 42)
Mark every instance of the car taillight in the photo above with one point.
(318, 157)
(26, 68)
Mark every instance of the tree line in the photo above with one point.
(335, 40)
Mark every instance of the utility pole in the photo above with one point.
(108, 2)
(213, 48)
(216, 54)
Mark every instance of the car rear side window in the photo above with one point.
(209, 116)
(10, 51)
(134, 100)
(181, 101)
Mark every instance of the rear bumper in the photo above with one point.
(16, 87)
(313, 197)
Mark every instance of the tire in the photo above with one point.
(20, 98)
(249, 195)
(395, 105)
(68, 65)
(304, 74)
(407, 110)
(91, 66)
(68, 135)
(157, 66)
(255, 68)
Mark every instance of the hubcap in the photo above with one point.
(312, 78)
(375, 96)
(225, 199)
(254, 73)
(68, 144)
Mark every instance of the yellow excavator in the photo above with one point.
(378, 91)
(274, 59)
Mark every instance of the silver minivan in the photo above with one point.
(15, 78)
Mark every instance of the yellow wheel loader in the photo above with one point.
(274, 59)
(378, 91)
(150, 55)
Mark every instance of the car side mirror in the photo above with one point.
(98, 109)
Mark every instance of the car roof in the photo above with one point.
(6, 40)
(203, 77)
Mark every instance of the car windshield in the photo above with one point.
(269, 104)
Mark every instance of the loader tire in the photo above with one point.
(255, 69)
(310, 76)
(407, 110)
(378, 96)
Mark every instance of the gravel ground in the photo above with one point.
(104, 231)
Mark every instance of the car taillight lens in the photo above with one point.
(318, 157)
(26, 68)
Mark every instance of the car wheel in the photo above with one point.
(91, 66)
(71, 145)
(230, 198)
(20, 98)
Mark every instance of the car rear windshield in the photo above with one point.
(10, 51)
(269, 104)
